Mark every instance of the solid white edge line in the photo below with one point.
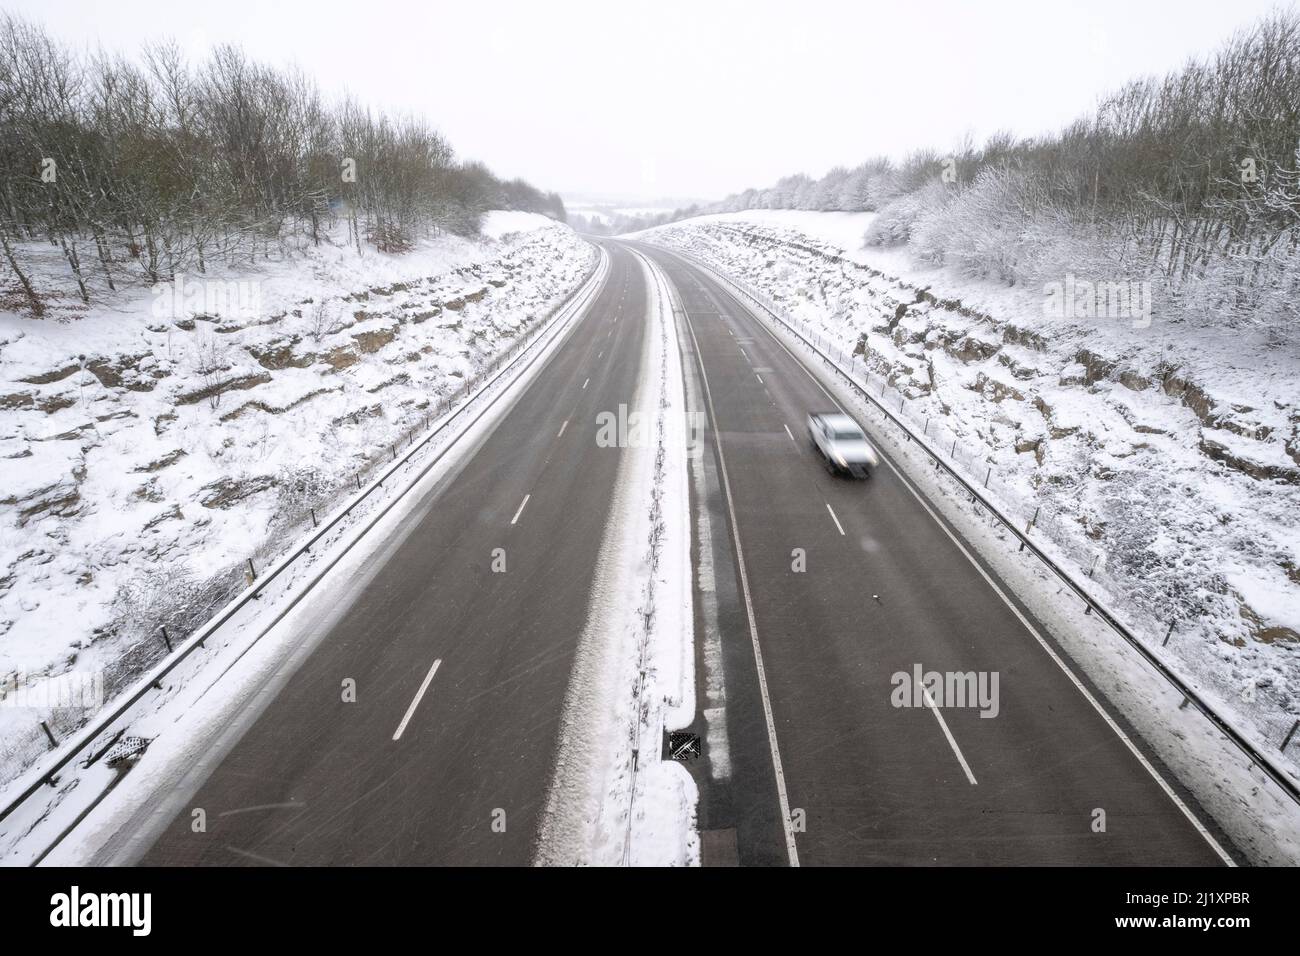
(791, 850)
(943, 725)
(1110, 721)
(833, 518)
(419, 694)
(521, 508)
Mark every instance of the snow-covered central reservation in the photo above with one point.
(1162, 461)
(153, 446)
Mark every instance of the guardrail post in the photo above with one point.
(166, 639)
(313, 517)
(1168, 634)
(252, 571)
(1290, 734)
(988, 474)
(49, 733)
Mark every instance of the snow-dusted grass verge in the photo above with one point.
(613, 800)
(204, 704)
(1261, 820)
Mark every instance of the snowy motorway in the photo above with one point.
(820, 590)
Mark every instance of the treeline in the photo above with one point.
(617, 223)
(137, 169)
(1190, 181)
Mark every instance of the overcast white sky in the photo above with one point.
(689, 99)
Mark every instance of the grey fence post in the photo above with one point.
(1290, 734)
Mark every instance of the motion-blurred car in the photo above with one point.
(842, 444)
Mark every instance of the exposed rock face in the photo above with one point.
(996, 391)
(165, 461)
(225, 492)
(1219, 451)
(237, 383)
(282, 355)
(55, 375)
(374, 340)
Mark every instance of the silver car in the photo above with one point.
(842, 444)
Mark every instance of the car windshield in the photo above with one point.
(848, 434)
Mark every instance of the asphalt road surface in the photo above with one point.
(461, 672)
